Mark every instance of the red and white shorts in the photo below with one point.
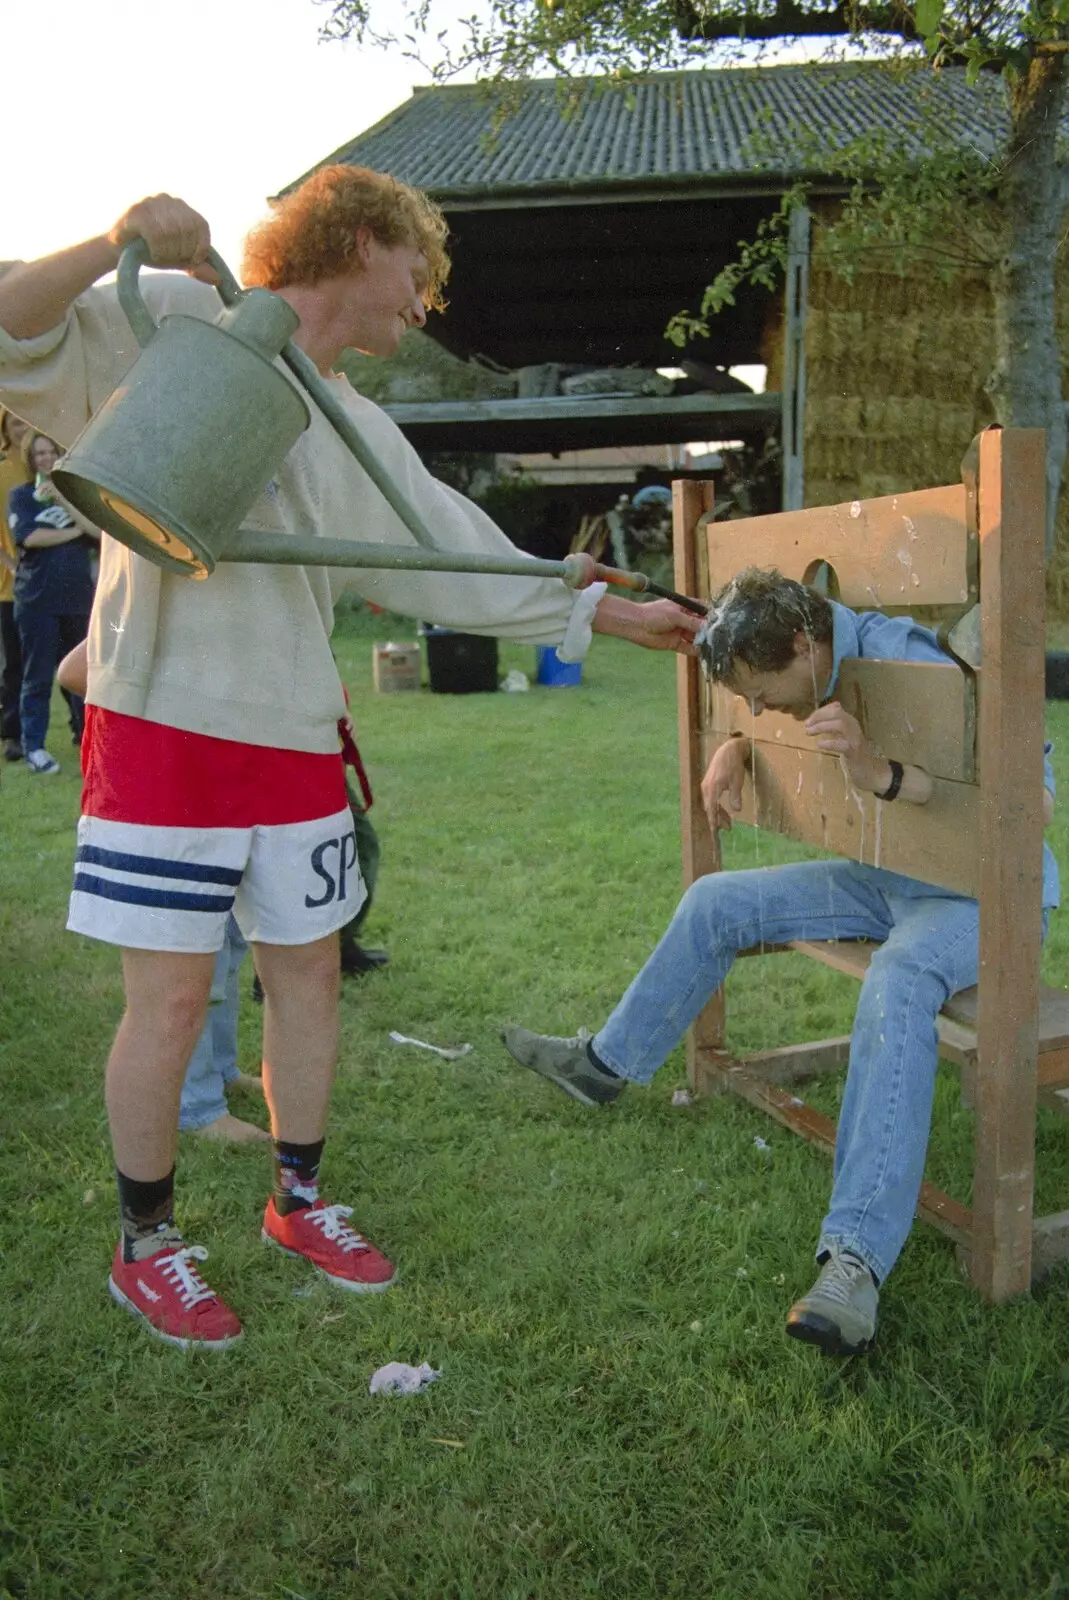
(178, 830)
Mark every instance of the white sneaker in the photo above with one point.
(41, 761)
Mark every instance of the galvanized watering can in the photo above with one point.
(174, 460)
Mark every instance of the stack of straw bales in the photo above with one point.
(895, 372)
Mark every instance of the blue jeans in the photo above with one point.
(45, 639)
(929, 949)
(214, 1062)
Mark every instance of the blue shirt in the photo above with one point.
(874, 637)
(56, 579)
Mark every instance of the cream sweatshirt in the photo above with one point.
(245, 654)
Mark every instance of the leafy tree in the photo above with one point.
(946, 205)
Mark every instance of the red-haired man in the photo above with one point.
(212, 775)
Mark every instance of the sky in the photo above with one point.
(221, 102)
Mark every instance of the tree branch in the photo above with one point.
(789, 18)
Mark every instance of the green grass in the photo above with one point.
(619, 1414)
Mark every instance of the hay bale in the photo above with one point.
(896, 364)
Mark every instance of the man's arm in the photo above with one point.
(656, 625)
(840, 734)
(46, 538)
(35, 295)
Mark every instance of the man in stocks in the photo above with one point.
(780, 645)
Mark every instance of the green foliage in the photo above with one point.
(619, 1413)
(517, 39)
(760, 261)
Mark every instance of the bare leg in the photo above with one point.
(166, 1004)
(301, 984)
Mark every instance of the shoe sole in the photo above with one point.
(826, 1336)
(169, 1338)
(339, 1283)
(562, 1083)
(558, 1082)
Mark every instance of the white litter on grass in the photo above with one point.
(759, 1143)
(439, 1050)
(396, 1378)
(682, 1097)
(515, 682)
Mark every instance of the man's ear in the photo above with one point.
(802, 645)
(361, 256)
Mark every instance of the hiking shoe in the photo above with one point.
(167, 1291)
(41, 761)
(564, 1062)
(838, 1314)
(321, 1235)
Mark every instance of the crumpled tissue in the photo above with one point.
(396, 1378)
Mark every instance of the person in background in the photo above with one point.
(53, 594)
(213, 1066)
(12, 473)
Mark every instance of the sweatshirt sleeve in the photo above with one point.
(57, 380)
(532, 610)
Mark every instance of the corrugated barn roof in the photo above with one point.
(671, 130)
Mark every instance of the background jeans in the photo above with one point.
(45, 639)
(929, 949)
(214, 1062)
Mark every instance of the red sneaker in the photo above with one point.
(321, 1235)
(169, 1293)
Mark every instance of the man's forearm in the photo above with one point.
(46, 538)
(35, 295)
(617, 616)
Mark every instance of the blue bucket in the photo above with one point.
(555, 673)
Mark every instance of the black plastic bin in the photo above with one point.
(460, 663)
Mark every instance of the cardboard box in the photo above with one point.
(395, 667)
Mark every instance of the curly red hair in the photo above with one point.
(312, 232)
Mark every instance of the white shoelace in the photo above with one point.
(178, 1267)
(838, 1276)
(329, 1221)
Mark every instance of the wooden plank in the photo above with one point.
(701, 846)
(1052, 1069)
(1012, 525)
(795, 1063)
(901, 550)
(1050, 1242)
(804, 795)
(933, 1206)
(1053, 1029)
(919, 712)
(552, 408)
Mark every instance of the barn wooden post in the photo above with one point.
(797, 300)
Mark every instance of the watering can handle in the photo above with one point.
(136, 255)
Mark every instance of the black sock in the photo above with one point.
(296, 1172)
(146, 1208)
(596, 1061)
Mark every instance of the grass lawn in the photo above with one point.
(619, 1414)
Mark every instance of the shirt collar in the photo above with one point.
(844, 643)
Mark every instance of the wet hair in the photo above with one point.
(755, 619)
(311, 233)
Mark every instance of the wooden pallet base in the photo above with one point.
(760, 1080)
